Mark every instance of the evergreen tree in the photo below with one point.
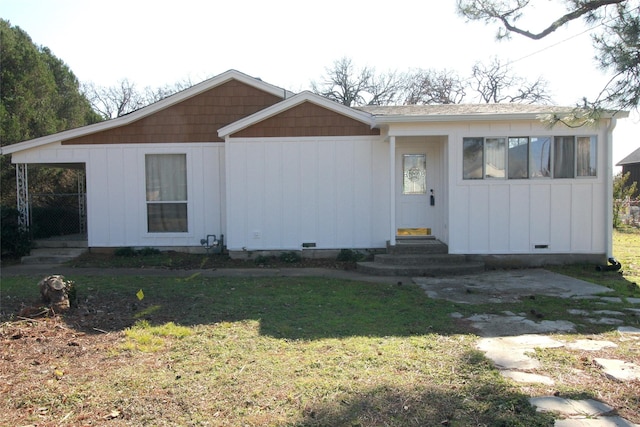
(39, 95)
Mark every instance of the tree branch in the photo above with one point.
(584, 9)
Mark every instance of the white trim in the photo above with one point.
(147, 111)
(289, 103)
(435, 118)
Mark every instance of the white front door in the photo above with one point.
(417, 172)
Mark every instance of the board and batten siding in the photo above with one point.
(116, 199)
(331, 191)
(500, 216)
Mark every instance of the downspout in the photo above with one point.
(392, 192)
(609, 188)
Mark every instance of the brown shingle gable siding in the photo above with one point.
(307, 119)
(196, 119)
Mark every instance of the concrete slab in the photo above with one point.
(506, 286)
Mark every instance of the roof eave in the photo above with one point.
(289, 103)
(148, 110)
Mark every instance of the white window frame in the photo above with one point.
(187, 202)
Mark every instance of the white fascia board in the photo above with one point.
(148, 110)
(434, 118)
(289, 103)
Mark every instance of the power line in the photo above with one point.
(567, 39)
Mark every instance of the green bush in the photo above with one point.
(125, 252)
(291, 257)
(261, 259)
(14, 243)
(148, 251)
(348, 255)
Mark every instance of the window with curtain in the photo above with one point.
(586, 156)
(166, 187)
(494, 158)
(473, 158)
(518, 158)
(563, 157)
(540, 157)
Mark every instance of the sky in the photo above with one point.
(290, 43)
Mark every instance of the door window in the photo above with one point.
(414, 174)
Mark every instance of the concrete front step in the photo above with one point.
(52, 255)
(415, 246)
(60, 243)
(437, 269)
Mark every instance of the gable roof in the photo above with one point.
(292, 102)
(634, 157)
(149, 110)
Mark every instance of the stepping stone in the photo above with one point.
(591, 345)
(587, 407)
(510, 352)
(609, 313)
(594, 422)
(577, 312)
(611, 299)
(619, 370)
(633, 300)
(524, 377)
(492, 325)
(629, 330)
(606, 321)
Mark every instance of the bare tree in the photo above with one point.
(434, 87)
(495, 83)
(114, 101)
(617, 44)
(123, 98)
(348, 85)
(344, 84)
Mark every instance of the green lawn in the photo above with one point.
(283, 352)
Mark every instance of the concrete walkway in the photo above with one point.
(507, 339)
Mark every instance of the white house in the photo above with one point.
(276, 171)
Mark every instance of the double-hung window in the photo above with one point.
(166, 189)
